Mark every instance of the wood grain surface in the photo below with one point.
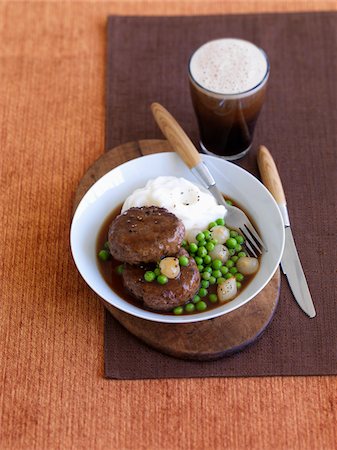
(53, 394)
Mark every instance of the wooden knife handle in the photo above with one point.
(269, 174)
(177, 137)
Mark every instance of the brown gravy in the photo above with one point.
(114, 280)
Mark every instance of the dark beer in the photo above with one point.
(228, 96)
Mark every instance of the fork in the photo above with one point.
(181, 143)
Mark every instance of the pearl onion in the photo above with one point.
(220, 233)
(220, 252)
(170, 267)
(247, 265)
(227, 290)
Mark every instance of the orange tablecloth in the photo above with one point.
(52, 390)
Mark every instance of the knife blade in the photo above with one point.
(290, 261)
(291, 267)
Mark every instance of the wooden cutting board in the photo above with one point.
(210, 339)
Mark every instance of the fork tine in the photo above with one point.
(255, 235)
(250, 248)
(252, 244)
(248, 245)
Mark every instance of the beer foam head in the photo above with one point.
(228, 66)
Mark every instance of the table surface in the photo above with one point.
(53, 394)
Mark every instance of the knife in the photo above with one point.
(290, 261)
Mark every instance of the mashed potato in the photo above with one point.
(191, 203)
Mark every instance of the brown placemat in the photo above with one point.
(147, 61)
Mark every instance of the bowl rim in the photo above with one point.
(160, 317)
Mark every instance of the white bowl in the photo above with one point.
(112, 189)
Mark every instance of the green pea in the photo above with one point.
(208, 269)
(229, 202)
(212, 225)
(229, 263)
(240, 239)
(224, 270)
(238, 248)
(184, 243)
(202, 243)
(213, 241)
(206, 276)
(231, 243)
(241, 254)
(200, 267)
(200, 237)
(213, 298)
(192, 247)
(216, 264)
(203, 292)
(233, 270)
(149, 276)
(220, 280)
(212, 280)
(207, 259)
(120, 269)
(106, 246)
(196, 299)
(238, 284)
(157, 271)
(204, 284)
(104, 255)
(220, 221)
(233, 233)
(216, 273)
(231, 251)
(202, 252)
(190, 307)
(210, 246)
(228, 275)
(234, 258)
(178, 310)
(207, 234)
(201, 306)
(239, 277)
(183, 261)
(162, 279)
(198, 260)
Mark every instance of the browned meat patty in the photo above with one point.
(159, 297)
(145, 234)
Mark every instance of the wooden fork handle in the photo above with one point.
(270, 176)
(177, 137)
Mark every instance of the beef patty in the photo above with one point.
(145, 234)
(165, 297)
